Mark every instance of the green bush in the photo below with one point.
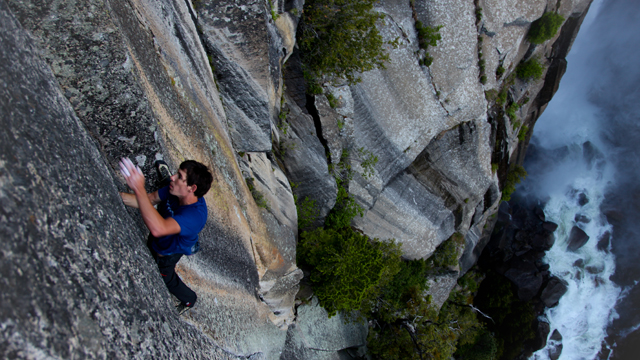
(484, 347)
(344, 211)
(522, 134)
(499, 72)
(427, 36)
(545, 28)
(530, 69)
(511, 111)
(421, 332)
(348, 270)
(339, 37)
(514, 176)
(447, 253)
(307, 212)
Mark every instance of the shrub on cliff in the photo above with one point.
(344, 211)
(348, 269)
(530, 69)
(419, 331)
(514, 176)
(339, 37)
(545, 27)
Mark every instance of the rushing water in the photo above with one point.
(585, 148)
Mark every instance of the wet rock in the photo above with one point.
(594, 269)
(603, 241)
(553, 291)
(583, 199)
(579, 263)
(550, 226)
(582, 218)
(577, 239)
(542, 332)
(556, 336)
(527, 279)
(539, 212)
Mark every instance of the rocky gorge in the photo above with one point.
(85, 83)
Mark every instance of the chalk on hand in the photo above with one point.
(123, 169)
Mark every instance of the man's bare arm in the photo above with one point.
(130, 199)
(158, 226)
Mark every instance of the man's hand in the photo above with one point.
(132, 175)
(158, 226)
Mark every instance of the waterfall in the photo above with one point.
(583, 167)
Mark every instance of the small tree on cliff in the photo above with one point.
(339, 37)
(545, 28)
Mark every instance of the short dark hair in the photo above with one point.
(197, 174)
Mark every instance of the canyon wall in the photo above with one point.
(85, 83)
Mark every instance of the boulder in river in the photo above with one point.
(577, 239)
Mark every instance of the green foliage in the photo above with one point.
(333, 102)
(514, 176)
(339, 37)
(494, 168)
(368, 163)
(483, 79)
(499, 72)
(491, 94)
(512, 318)
(478, 14)
(257, 195)
(274, 12)
(483, 347)
(545, 27)
(502, 96)
(404, 293)
(511, 111)
(344, 211)
(419, 331)
(530, 69)
(522, 134)
(348, 270)
(427, 36)
(307, 212)
(446, 254)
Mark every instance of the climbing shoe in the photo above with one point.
(183, 308)
(164, 175)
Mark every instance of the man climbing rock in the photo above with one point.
(174, 227)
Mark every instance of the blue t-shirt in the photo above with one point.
(191, 219)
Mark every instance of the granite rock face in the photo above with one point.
(84, 84)
(246, 53)
(77, 278)
(129, 79)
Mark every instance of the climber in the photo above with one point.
(174, 227)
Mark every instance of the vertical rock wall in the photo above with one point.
(86, 83)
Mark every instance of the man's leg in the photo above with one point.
(167, 266)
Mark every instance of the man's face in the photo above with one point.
(178, 186)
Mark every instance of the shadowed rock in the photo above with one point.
(554, 290)
(577, 239)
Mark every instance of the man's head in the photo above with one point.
(197, 176)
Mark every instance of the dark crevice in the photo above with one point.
(311, 108)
